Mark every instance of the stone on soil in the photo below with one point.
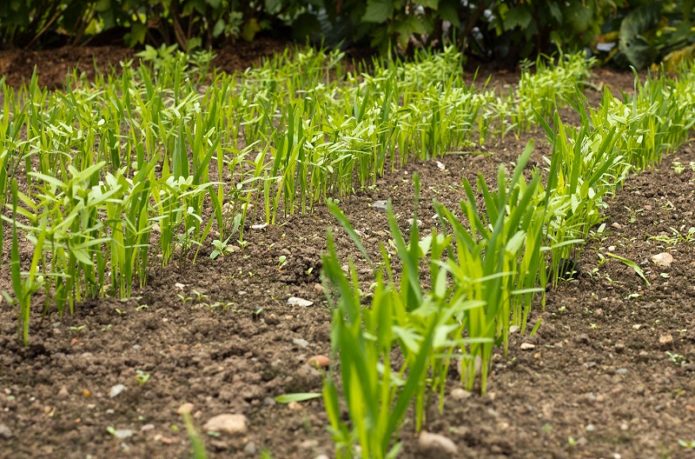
(296, 301)
(116, 390)
(301, 342)
(250, 448)
(665, 340)
(663, 259)
(460, 394)
(5, 431)
(122, 434)
(227, 423)
(434, 443)
(381, 205)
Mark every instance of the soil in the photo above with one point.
(52, 65)
(603, 380)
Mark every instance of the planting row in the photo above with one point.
(165, 156)
(460, 290)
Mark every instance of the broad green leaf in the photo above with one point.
(378, 11)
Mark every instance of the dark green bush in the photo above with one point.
(488, 29)
(642, 32)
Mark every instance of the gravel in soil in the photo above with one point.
(601, 378)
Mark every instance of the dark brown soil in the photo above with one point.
(17, 66)
(52, 65)
(612, 373)
(221, 336)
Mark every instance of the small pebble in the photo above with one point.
(122, 434)
(250, 448)
(301, 342)
(435, 443)
(227, 423)
(663, 259)
(295, 406)
(116, 390)
(296, 301)
(309, 444)
(666, 340)
(5, 431)
(381, 205)
(460, 394)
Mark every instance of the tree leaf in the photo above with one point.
(378, 11)
(633, 45)
(517, 17)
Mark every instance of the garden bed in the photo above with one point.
(609, 374)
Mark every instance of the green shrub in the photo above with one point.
(647, 32)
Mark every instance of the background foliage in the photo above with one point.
(635, 32)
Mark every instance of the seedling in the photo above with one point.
(631, 264)
(299, 397)
(197, 444)
(687, 444)
(676, 359)
(220, 248)
(678, 167)
(142, 377)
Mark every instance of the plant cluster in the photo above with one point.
(464, 287)
(107, 177)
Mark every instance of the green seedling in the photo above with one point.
(675, 358)
(686, 444)
(630, 264)
(142, 377)
(299, 397)
(220, 248)
(197, 444)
